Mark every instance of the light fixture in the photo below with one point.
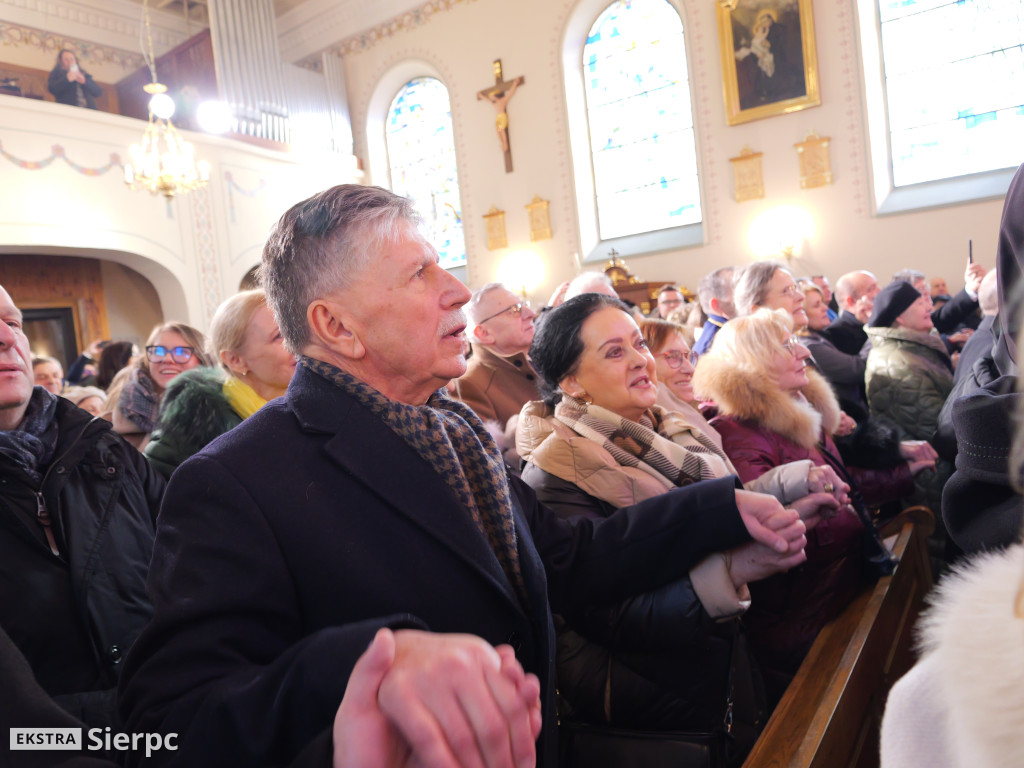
(521, 272)
(164, 162)
(780, 232)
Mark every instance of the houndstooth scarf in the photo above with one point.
(675, 456)
(30, 447)
(451, 438)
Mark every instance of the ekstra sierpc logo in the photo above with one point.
(70, 739)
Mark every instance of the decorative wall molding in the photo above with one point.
(206, 253)
(57, 151)
(856, 152)
(232, 187)
(114, 24)
(88, 53)
(403, 22)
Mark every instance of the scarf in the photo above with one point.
(450, 437)
(139, 401)
(666, 449)
(30, 447)
(241, 397)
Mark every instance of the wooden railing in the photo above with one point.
(831, 713)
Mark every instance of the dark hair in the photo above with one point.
(113, 358)
(557, 345)
(60, 53)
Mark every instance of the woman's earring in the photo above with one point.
(582, 395)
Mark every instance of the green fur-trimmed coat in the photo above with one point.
(193, 412)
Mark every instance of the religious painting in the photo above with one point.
(769, 60)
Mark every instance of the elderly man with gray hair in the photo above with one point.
(499, 379)
(366, 498)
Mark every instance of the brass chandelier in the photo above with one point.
(163, 162)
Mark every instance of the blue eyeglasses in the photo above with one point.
(180, 355)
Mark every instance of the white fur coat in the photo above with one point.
(962, 706)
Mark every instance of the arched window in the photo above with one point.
(642, 145)
(954, 82)
(944, 83)
(421, 158)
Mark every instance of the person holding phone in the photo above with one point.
(72, 85)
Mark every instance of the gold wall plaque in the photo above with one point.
(540, 219)
(496, 237)
(815, 161)
(746, 170)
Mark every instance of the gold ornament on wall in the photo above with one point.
(815, 161)
(540, 219)
(746, 169)
(496, 237)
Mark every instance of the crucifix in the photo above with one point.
(499, 95)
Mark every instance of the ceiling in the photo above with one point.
(196, 10)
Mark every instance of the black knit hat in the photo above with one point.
(891, 302)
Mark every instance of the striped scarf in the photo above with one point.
(450, 438)
(677, 457)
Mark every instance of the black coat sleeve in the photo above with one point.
(637, 548)
(947, 317)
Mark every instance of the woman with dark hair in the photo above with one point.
(115, 356)
(599, 442)
(171, 349)
(72, 85)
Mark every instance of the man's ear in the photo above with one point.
(482, 335)
(331, 327)
(716, 305)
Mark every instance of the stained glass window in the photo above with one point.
(641, 125)
(421, 155)
(954, 80)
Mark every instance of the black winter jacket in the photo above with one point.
(102, 497)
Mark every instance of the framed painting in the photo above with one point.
(769, 61)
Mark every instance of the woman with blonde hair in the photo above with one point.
(171, 349)
(204, 403)
(774, 409)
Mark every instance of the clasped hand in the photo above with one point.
(439, 701)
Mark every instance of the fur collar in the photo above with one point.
(747, 395)
(976, 640)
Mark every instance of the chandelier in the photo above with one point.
(164, 162)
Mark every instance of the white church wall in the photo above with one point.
(460, 40)
(62, 192)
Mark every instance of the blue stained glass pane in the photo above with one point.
(421, 155)
(641, 124)
(954, 82)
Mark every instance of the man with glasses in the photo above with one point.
(499, 379)
(78, 507)
(669, 300)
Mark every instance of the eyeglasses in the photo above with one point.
(789, 290)
(669, 302)
(515, 309)
(674, 358)
(791, 345)
(180, 355)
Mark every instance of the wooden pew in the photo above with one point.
(831, 714)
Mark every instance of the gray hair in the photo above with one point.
(472, 308)
(716, 285)
(321, 245)
(751, 287)
(582, 282)
(907, 276)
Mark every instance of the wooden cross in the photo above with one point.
(499, 95)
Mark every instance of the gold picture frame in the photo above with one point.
(496, 237)
(769, 59)
(540, 219)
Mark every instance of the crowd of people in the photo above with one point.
(321, 536)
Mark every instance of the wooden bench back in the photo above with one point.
(831, 714)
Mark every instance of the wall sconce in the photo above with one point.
(522, 271)
(780, 232)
